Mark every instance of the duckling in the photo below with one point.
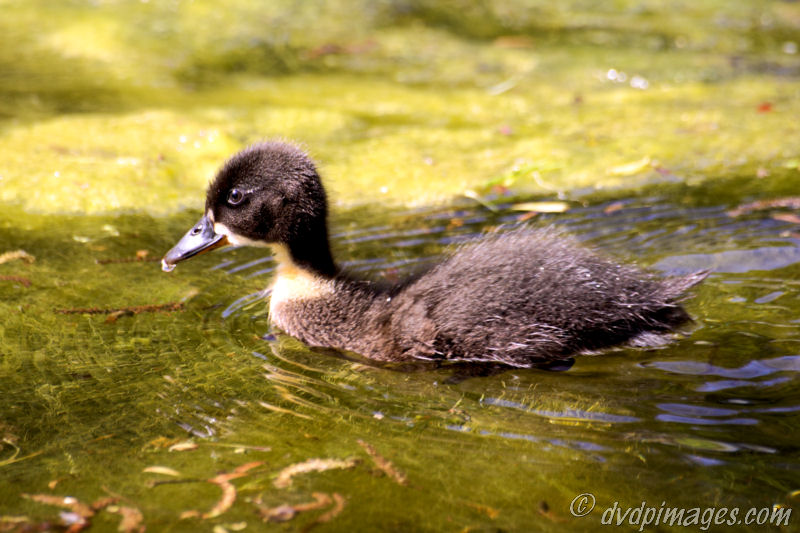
(517, 298)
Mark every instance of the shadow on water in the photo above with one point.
(95, 399)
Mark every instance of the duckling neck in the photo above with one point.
(301, 299)
(318, 309)
(313, 254)
(295, 281)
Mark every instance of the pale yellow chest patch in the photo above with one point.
(293, 282)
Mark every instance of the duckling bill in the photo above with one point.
(517, 298)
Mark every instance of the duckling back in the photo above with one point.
(531, 295)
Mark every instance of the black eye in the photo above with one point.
(235, 197)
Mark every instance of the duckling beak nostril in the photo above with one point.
(201, 238)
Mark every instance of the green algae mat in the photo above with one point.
(132, 399)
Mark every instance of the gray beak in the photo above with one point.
(201, 238)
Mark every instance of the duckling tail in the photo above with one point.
(676, 287)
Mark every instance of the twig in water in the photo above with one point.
(384, 464)
(118, 311)
(22, 280)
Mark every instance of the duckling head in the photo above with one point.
(269, 194)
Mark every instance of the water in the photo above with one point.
(707, 421)
(120, 381)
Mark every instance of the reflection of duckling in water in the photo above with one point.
(516, 298)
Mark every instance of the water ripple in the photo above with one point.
(732, 261)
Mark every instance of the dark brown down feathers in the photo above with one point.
(517, 298)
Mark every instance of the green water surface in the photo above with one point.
(652, 121)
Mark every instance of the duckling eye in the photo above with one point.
(235, 197)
